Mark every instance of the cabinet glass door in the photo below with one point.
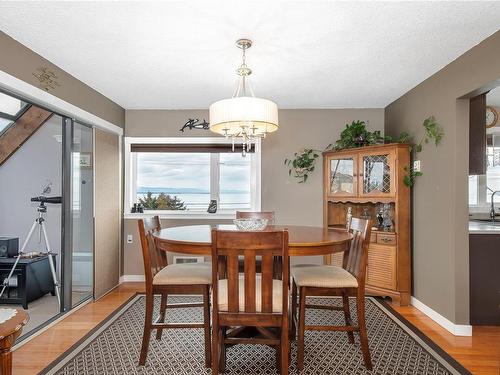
(377, 170)
(342, 176)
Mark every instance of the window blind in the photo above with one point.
(186, 147)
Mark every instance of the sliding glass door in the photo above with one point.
(83, 222)
(78, 213)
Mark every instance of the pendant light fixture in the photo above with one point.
(244, 117)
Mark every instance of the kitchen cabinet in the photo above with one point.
(484, 262)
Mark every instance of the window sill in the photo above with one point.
(184, 215)
(482, 208)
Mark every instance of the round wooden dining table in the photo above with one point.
(303, 240)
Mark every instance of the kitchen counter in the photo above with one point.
(483, 227)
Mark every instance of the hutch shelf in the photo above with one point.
(369, 180)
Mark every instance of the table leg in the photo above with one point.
(6, 354)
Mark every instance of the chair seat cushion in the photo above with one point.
(184, 274)
(319, 276)
(277, 295)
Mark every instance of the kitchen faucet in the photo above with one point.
(492, 210)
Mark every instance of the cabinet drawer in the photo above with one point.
(373, 237)
(381, 270)
(386, 239)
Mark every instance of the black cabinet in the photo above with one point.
(484, 257)
(31, 280)
(477, 135)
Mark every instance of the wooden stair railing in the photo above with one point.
(19, 132)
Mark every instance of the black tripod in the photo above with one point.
(40, 223)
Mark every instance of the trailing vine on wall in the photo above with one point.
(433, 132)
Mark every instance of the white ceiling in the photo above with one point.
(181, 54)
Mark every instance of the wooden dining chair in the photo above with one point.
(251, 299)
(270, 216)
(346, 281)
(174, 279)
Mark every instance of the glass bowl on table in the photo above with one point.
(250, 224)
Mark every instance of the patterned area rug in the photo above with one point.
(113, 347)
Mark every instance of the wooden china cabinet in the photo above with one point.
(370, 179)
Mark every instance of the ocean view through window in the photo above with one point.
(188, 180)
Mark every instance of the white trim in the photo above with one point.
(43, 98)
(454, 329)
(187, 215)
(131, 173)
(132, 279)
(51, 324)
(214, 177)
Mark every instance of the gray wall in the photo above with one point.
(22, 177)
(21, 62)
(294, 203)
(440, 214)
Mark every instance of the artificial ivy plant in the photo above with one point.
(356, 135)
(302, 163)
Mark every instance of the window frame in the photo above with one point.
(130, 188)
(483, 204)
(13, 117)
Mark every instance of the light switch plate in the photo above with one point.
(129, 238)
(416, 166)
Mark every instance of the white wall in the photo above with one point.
(22, 176)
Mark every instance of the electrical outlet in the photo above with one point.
(417, 166)
(129, 238)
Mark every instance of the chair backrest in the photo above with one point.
(154, 259)
(227, 246)
(356, 258)
(269, 215)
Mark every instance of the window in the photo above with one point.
(10, 110)
(473, 190)
(177, 176)
(492, 172)
(481, 187)
(235, 181)
(185, 176)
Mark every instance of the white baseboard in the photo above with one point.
(455, 329)
(132, 279)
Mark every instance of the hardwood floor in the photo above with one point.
(35, 355)
(479, 353)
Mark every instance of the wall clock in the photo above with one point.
(491, 117)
